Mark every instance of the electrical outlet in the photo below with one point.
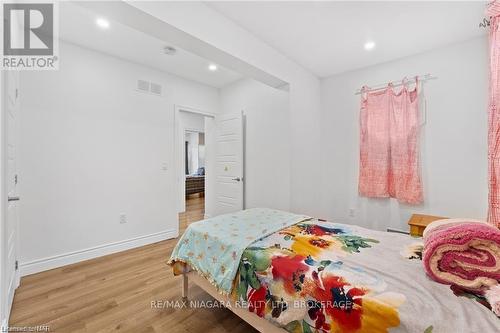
(352, 212)
(123, 218)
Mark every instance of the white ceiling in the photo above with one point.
(77, 25)
(328, 37)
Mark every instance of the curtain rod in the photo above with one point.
(399, 83)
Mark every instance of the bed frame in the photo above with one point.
(260, 324)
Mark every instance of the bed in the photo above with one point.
(195, 184)
(282, 272)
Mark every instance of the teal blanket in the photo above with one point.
(213, 247)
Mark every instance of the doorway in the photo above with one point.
(194, 168)
(193, 144)
(223, 149)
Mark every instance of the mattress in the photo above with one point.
(319, 276)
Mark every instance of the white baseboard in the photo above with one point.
(40, 265)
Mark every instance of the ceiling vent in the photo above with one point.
(143, 86)
(149, 87)
(156, 89)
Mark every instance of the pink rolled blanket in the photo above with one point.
(463, 252)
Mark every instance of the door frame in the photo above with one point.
(180, 205)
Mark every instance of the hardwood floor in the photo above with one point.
(195, 211)
(115, 293)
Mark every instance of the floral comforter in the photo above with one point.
(214, 246)
(317, 276)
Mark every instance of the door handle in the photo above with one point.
(13, 199)
(238, 179)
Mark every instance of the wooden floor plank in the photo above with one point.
(114, 294)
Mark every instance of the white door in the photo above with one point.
(229, 180)
(10, 230)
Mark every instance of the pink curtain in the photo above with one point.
(494, 116)
(389, 159)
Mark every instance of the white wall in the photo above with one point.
(453, 139)
(193, 151)
(201, 150)
(200, 21)
(92, 148)
(267, 141)
(192, 121)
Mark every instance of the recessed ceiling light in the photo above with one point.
(369, 45)
(102, 23)
(212, 67)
